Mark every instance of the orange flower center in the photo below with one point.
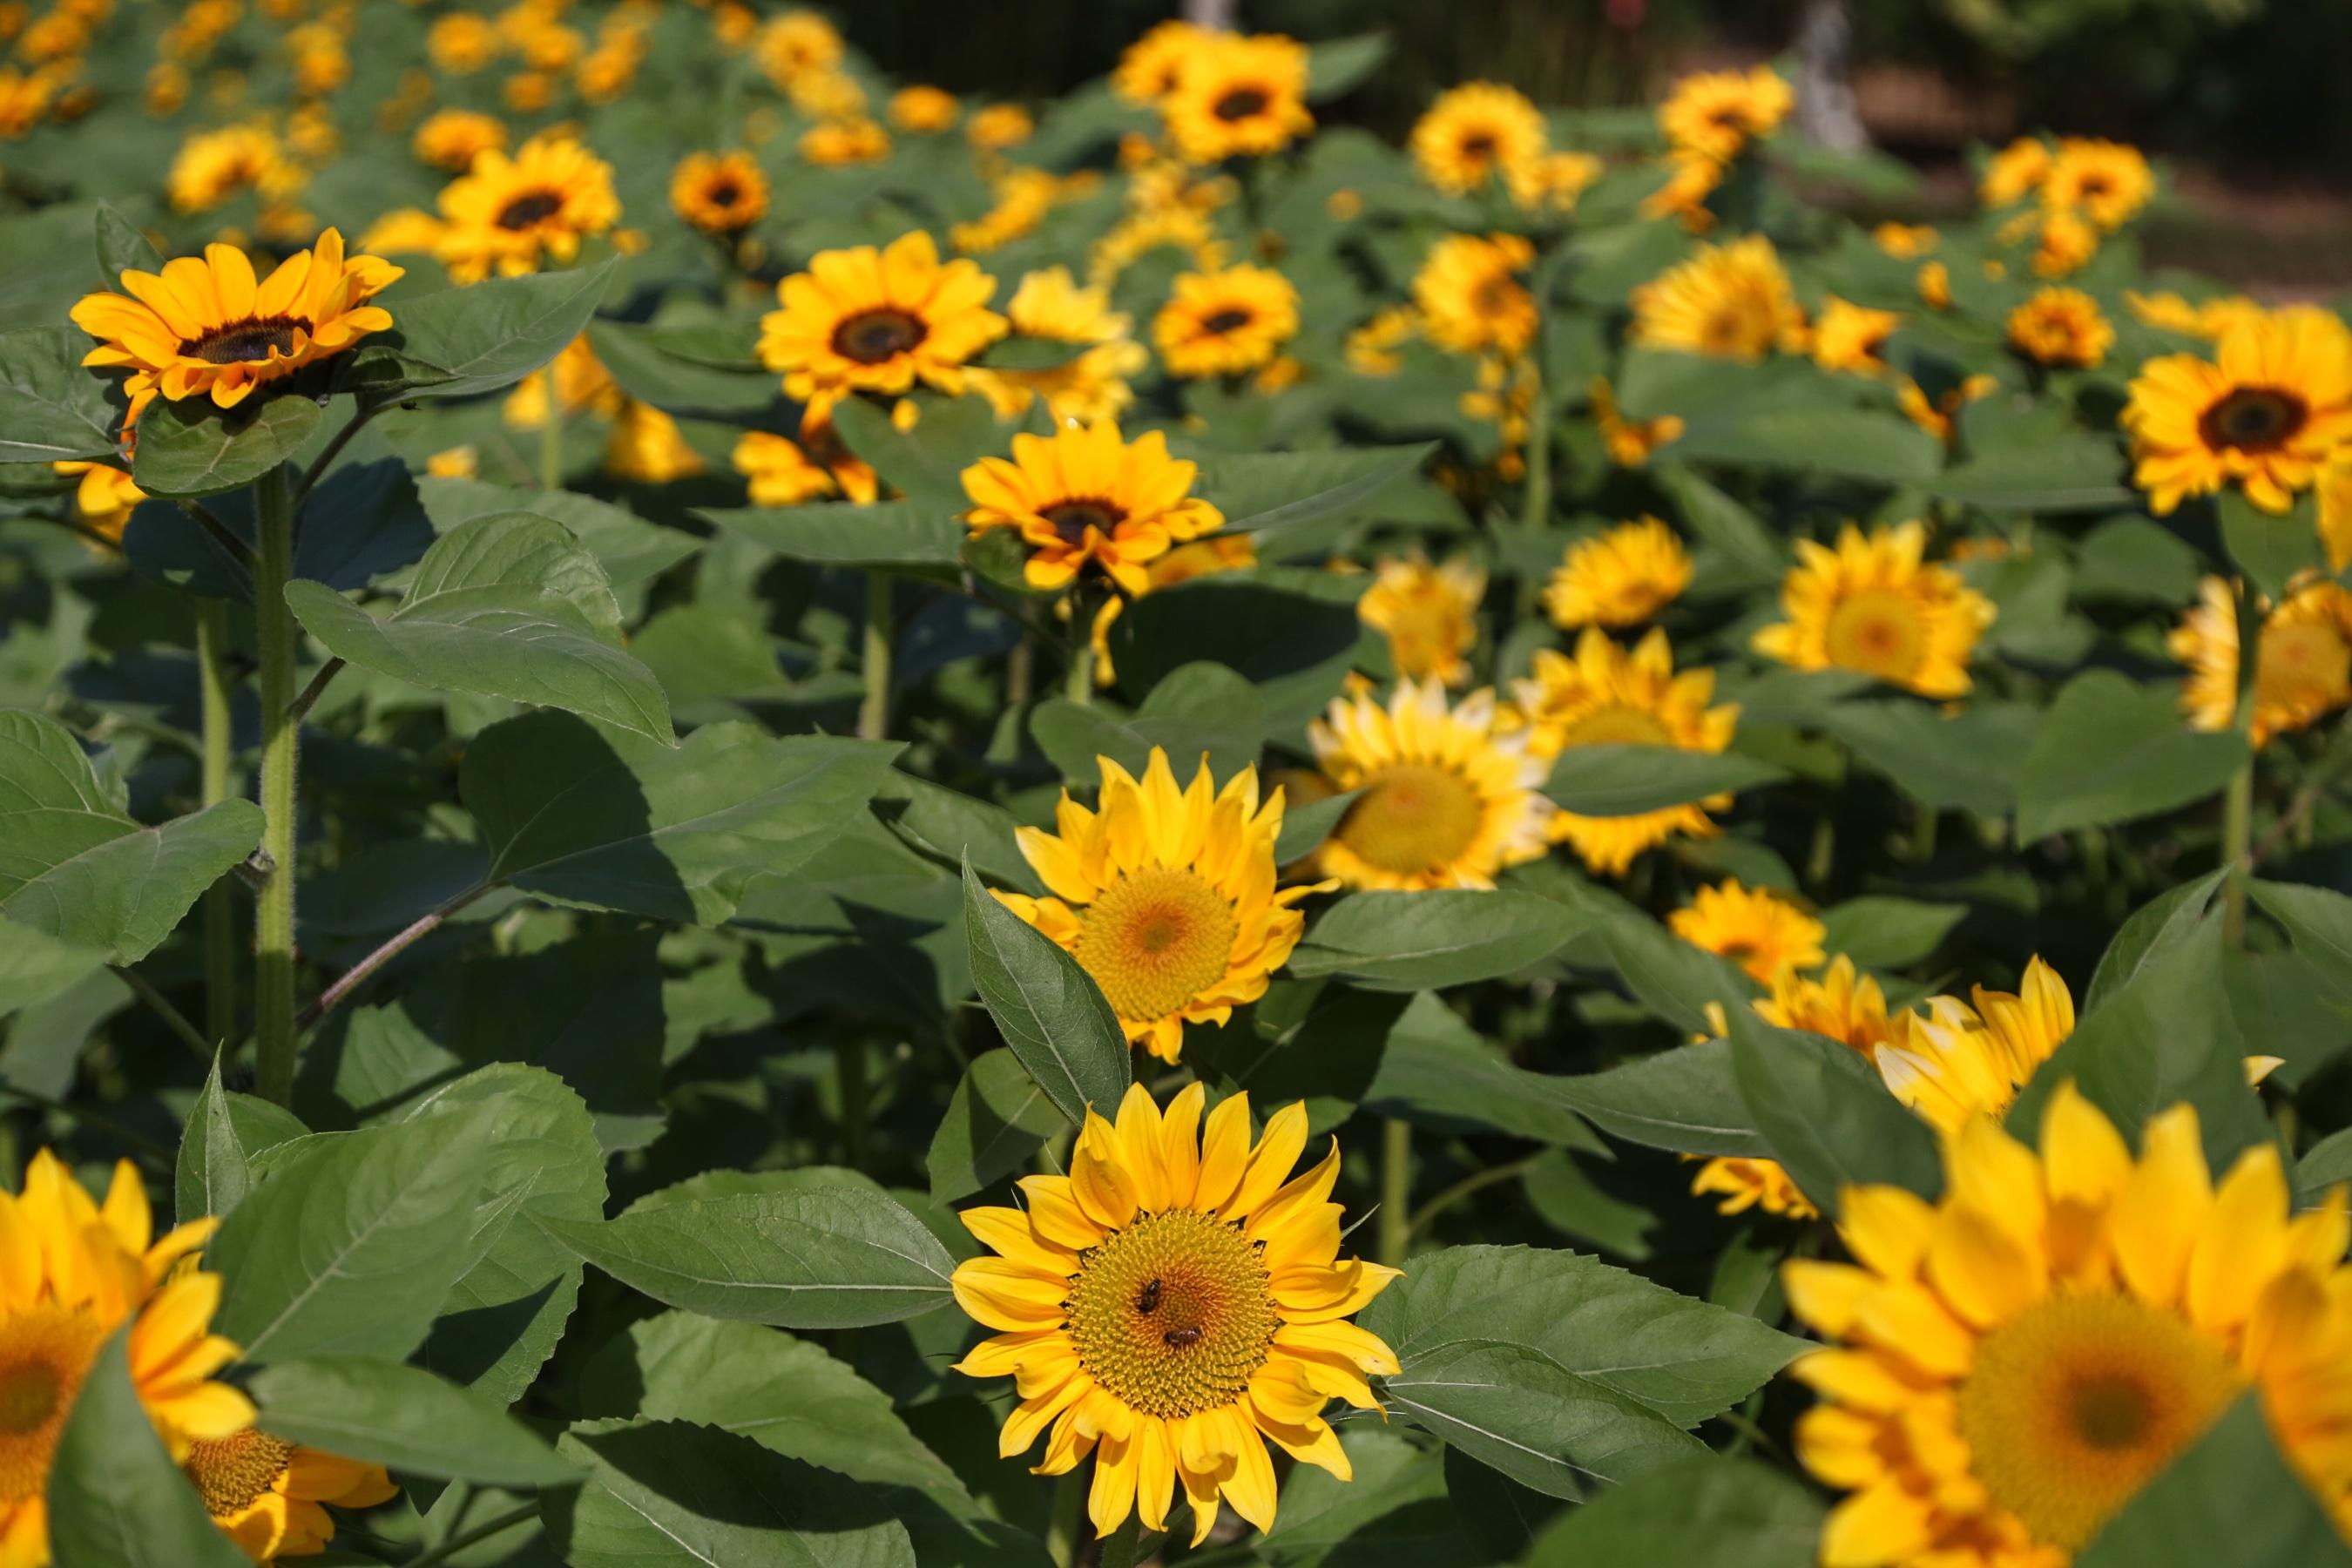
(1171, 1314)
(44, 1354)
(1155, 940)
(872, 337)
(231, 1472)
(1876, 631)
(1413, 819)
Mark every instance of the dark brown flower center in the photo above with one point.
(1478, 146)
(1071, 519)
(1240, 105)
(2253, 419)
(1225, 322)
(871, 337)
(725, 194)
(237, 341)
(526, 210)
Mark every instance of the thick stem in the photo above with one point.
(1396, 1191)
(1081, 688)
(874, 713)
(273, 921)
(220, 905)
(1119, 1550)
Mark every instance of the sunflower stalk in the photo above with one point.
(2237, 799)
(874, 713)
(282, 725)
(217, 745)
(1396, 1191)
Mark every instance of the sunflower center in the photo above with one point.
(2306, 662)
(1733, 329)
(1171, 1314)
(1617, 726)
(535, 206)
(871, 337)
(1413, 818)
(1876, 631)
(1478, 146)
(1157, 939)
(44, 1354)
(2078, 1402)
(1071, 519)
(2255, 419)
(252, 338)
(1240, 105)
(230, 1472)
(725, 194)
(1224, 321)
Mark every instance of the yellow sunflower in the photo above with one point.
(452, 138)
(2107, 181)
(2010, 1365)
(1479, 132)
(837, 143)
(1849, 337)
(1226, 321)
(1183, 229)
(2064, 243)
(2060, 327)
(720, 193)
(1935, 283)
(509, 215)
(645, 447)
(2333, 485)
(1372, 348)
(1165, 895)
(1842, 1004)
(780, 473)
(2303, 664)
(1744, 1182)
(1756, 929)
(1083, 495)
(1218, 553)
(1093, 383)
(209, 328)
(1448, 801)
(1905, 241)
(1731, 301)
(76, 1270)
(213, 166)
(1717, 113)
(2206, 319)
(105, 498)
(1619, 577)
(583, 385)
(1693, 178)
(1872, 604)
(1239, 97)
(1171, 1305)
(1000, 126)
(1607, 695)
(1429, 615)
(2269, 407)
(878, 321)
(1629, 442)
(1965, 1059)
(923, 110)
(1151, 66)
(1553, 182)
(1023, 198)
(267, 1494)
(1471, 298)
(2014, 173)
(796, 44)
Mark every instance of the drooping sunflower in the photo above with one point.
(921, 110)
(778, 472)
(1093, 383)
(1619, 577)
(1084, 496)
(2269, 407)
(1165, 895)
(1151, 66)
(2014, 173)
(2303, 663)
(1853, 338)
(268, 1495)
(1717, 113)
(1629, 442)
(1753, 927)
(1218, 553)
(1476, 133)
(1172, 1305)
(1239, 97)
(1730, 301)
(1429, 615)
(1448, 801)
(2010, 1365)
(1872, 604)
(1964, 1059)
(77, 1270)
(1607, 695)
(864, 319)
(2060, 327)
(215, 164)
(451, 139)
(207, 327)
(2107, 181)
(1226, 321)
(1470, 296)
(720, 193)
(509, 215)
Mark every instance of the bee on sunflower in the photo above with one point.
(1238, 97)
(862, 320)
(511, 215)
(1730, 301)
(2303, 660)
(1226, 321)
(1083, 497)
(1621, 576)
(2272, 406)
(1871, 605)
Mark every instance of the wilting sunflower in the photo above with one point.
(2012, 1363)
(77, 1270)
(2269, 407)
(1753, 927)
(105, 498)
(1731, 301)
(1476, 133)
(217, 165)
(267, 1494)
(1629, 442)
(2014, 173)
(1171, 1305)
(1151, 66)
(1606, 695)
(1429, 615)
(1083, 495)
(1717, 113)
(208, 327)
(1471, 298)
(864, 319)
(1165, 895)
(1965, 1059)
(452, 138)
(1849, 337)
(1218, 553)
(1619, 577)
(1448, 801)
(2107, 181)
(2303, 663)
(1871, 605)
(720, 193)
(1093, 383)
(2060, 327)
(511, 214)
(1226, 321)
(1239, 97)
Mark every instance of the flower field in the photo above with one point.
(753, 815)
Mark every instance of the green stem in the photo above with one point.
(1536, 503)
(1462, 1189)
(2238, 801)
(1063, 1539)
(1923, 834)
(874, 713)
(161, 1005)
(273, 921)
(220, 908)
(1396, 1191)
(480, 1532)
(551, 440)
(1119, 1548)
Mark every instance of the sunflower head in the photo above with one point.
(1619, 577)
(512, 214)
(1731, 301)
(720, 193)
(2014, 173)
(1477, 133)
(1964, 1059)
(1853, 338)
(1691, 179)
(646, 446)
(1093, 383)
(2107, 181)
(794, 45)
(265, 1494)
(1151, 66)
(2060, 327)
(1226, 321)
(1084, 496)
(451, 139)
(923, 110)
(1429, 615)
(2303, 663)
(1471, 298)
(105, 498)
(1871, 605)
(864, 319)
(1753, 927)
(213, 166)
(1629, 442)
(1716, 114)
(2267, 411)
(1238, 97)
(1000, 126)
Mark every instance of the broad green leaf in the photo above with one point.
(1718, 520)
(1827, 1115)
(1880, 933)
(1261, 491)
(1338, 65)
(2325, 1164)
(997, 1120)
(2111, 750)
(1968, 761)
(926, 463)
(36, 966)
(1017, 352)
(1049, 1010)
(191, 448)
(463, 341)
(1703, 1513)
(1625, 781)
(363, 521)
(1291, 637)
(1562, 1193)
(1851, 443)
(401, 1417)
(646, 362)
(211, 1175)
(1395, 1503)
(1200, 708)
(115, 1498)
(51, 410)
(1671, 978)
(2232, 1498)
(1428, 939)
(891, 533)
(2319, 922)
(2067, 471)
(1304, 825)
(2270, 548)
(122, 249)
(2135, 559)
(1435, 1072)
(1685, 1099)
(937, 822)
(631, 549)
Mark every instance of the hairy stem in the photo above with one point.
(220, 905)
(2238, 801)
(1396, 1191)
(273, 923)
(874, 713)
(1119, 1550)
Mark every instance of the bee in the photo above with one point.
(1181, 1338)
(1149, 1299)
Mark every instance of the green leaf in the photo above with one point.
(1685, 1099)
(51, 410)
(997, 1119)
(401, 1417)
(1200, 708)
(2325, 1164)
(2111, 750)
(891, 533)
(122, 249)
(191, 448)
(1827, 1116)
(2232, 1498)
(115, 1498)
(213, 1174)
(36, 966)
(1018, 353)
(669, 1494)
(1260, 491)
(1305, 827)
(926, 463)
(1625, 781)
(813, 1248)
(1718, 520)
(1434, 1071)
(1880, 933)
(1671, 978)
(1851, 443)
(463, 341)
(1703, 1513)
(1291, 635)
(2270, 548)
(1430, 940)
(631, 549)
(2317, 921)
(2137, 560)
(1049, 1010)
(1339, 65)
(646, 362)
(2073, 470)
(1968, 761)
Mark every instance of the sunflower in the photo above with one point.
(1964, 1059)
(77, 1270)
(1758, 930)
(2303, 663)
(1172, 1304)
(720, 193)
(2060, 327)
(2064, 243)
(1471, 298)
(1183, 229)
(1871, 605)
(2270, 406)
(923, 110)
(217, 165)
(1935, 285)
(1219, 553)
(105, 498)
(2206, 319)
(780, 472)
(2011, 1364)
(1606, 695)
(1093, 383)
(1226, 321)
(1844, 1004)
(1023, 198)
(1629, 442)
(1429, 615)
(209, 328)
(1475, 134)
(2107, 181)
(1084, 495)
(837, 143)
(796, 44)
(1239, 97)
(1940, 416)
(1554, 181)
(1746, 1182)
(1619, 577)
(1000, 126)
(266, 1493)
(508, 215)
(864, 319)
(1716, 113)
(1905, 241)
(1448, 801)
(2014, 173)
(1848, 337)
(1731, 301)
(1693, 177)
(645, 447)
(1372, 348)
(452, 138)
(1151, 66)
